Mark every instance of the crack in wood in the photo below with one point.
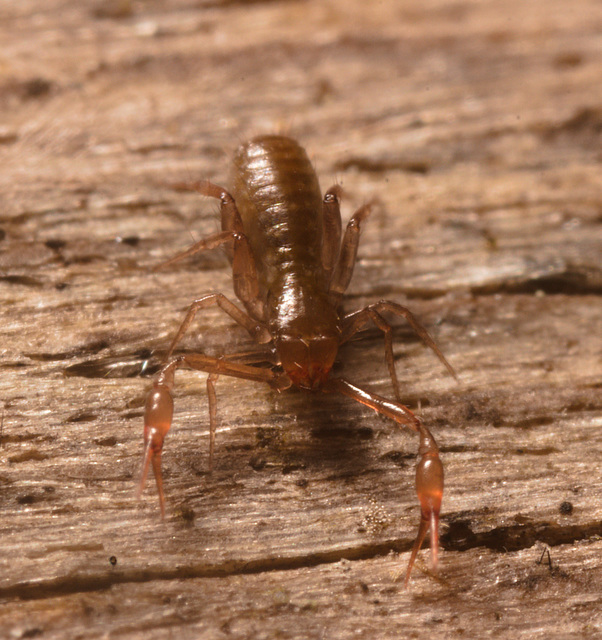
(459, 537)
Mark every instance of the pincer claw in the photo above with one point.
(157, 421)
(429, 487)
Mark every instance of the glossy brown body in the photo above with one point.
(279, 200)
(290, 270)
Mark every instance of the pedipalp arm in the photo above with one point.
(429, 471)
(158, 414)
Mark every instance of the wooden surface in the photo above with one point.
(478, 126)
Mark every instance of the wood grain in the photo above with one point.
(478, 127)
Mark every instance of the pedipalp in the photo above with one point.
(158, 413)
(429, 470)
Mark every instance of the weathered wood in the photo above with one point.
(478, 127)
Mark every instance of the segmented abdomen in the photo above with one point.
(278, 196)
